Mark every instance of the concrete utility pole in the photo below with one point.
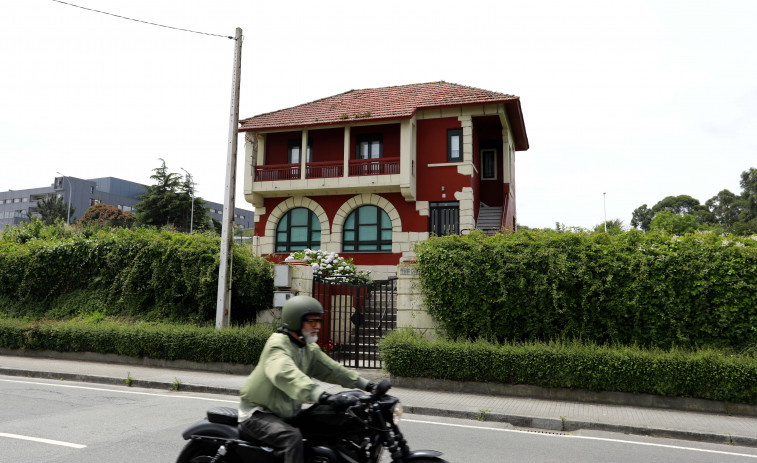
(223, 305)
(192, 214)
(70, 191)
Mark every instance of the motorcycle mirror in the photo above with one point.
(382, 387)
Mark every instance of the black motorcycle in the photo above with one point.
(358, 434)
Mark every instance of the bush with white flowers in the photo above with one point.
(329, 264)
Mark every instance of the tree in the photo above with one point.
(674, 223)
(53, 208)
(725, 207)
(169, 202)
(681, 205)
(614, 226)
(105, 214)
(642, 217)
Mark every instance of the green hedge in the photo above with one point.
(704, 373)
(650, 289)
(157, 341)
(143, 273)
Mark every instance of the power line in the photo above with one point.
(145, 22)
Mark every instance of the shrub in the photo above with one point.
(153, 340)
(143, 273)
(652, 289)
(702, 373)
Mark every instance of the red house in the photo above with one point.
(368, 173)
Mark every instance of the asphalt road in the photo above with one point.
(62, 421)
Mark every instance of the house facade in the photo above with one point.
(369, 173)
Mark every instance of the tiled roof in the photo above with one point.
(370, 104)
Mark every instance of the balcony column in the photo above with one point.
(346, 151)
(303, 153)
(407, 158)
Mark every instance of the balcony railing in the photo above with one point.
(277, 172)
(328, 169)
(380, 166)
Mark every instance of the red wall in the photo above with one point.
(431, 138)
(328, 144)
(411, 222)
(391, 138)
(277, 146)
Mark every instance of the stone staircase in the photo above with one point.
(489, 219)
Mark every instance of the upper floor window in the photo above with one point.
(298, 229)
(454, 145)
(370, 146)
(368, 228)
(488, 164)
(294, 150)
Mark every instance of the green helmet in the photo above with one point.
(295, 308)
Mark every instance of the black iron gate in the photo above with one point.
(357, 317)
(444, 218)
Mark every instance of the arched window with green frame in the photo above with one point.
(367, 229)
(298, 229)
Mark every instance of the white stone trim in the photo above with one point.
(267, 243)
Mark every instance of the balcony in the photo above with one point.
(328, 169)
(380, 175)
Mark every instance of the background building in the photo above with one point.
(17, 205)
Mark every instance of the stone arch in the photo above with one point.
(298, 201)
(366, 199)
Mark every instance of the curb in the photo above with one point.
(546, 424)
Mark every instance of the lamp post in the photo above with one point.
(70, 190)
(604, 203)
(192, 214)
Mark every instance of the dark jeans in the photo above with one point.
(285, 439)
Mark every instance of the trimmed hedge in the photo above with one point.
(704, 374)
(650, 289)
(157, 341)
(142, 273)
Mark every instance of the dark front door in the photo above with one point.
(444, 218)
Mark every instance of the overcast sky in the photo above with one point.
(638, 100)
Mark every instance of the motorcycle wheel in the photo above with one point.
(197, 452)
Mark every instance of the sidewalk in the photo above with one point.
(550, 415)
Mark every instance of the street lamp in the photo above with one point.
(70, 191)
(192, 214)
(604, 201)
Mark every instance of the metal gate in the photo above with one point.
(444, 218)
(357, 317)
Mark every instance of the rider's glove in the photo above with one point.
(338, 401)
(370, 387)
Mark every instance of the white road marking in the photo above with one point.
(44, 441)
(122, 391)
(676, 447)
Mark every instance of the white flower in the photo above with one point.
(315, 267)
(289, 259)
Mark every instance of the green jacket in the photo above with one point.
(280, 382)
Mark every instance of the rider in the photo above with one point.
(280, 382)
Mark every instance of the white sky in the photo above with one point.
(640, 100)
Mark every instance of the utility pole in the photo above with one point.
(192, 214)
(70, 191)
(223, 302)
(604, 201)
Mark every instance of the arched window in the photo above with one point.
(367, 228)
(298, 229)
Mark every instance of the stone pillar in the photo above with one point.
(411, 310)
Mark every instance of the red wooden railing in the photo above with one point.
(325, 169)
(381, 166)
(328, 169)
(277, 172)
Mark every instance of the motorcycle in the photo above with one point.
(357, 434)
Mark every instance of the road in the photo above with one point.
(62, 421)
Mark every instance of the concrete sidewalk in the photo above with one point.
(553, 415)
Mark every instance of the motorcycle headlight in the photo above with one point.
(396, 413)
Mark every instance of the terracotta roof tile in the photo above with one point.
(371, 104)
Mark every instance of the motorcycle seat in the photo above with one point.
(223, 415)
